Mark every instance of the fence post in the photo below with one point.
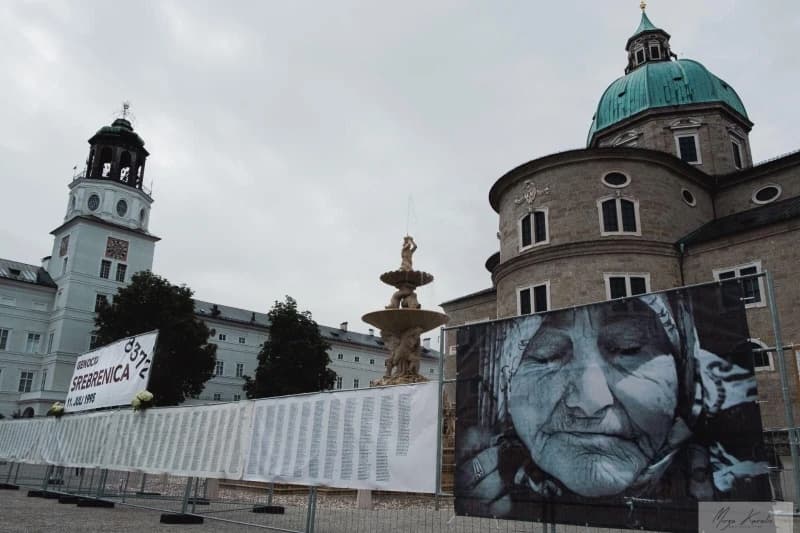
(10, 469)
(46, 480)
(141, 486)
(101, 483)
(312, 507)
(125, 487)
(16, 474)
(787, 401)
(270, 491)
(186, 493)
(439, 422)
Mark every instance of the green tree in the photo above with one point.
(184, 359)
(294, 359)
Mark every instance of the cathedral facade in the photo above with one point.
(47, 311)
(665, 194)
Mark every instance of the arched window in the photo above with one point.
(762, 358)
(618, 216)
(125, 166)
(105, 160)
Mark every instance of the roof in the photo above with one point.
(98, 220)
(644, 25)
(484, 292)
(120, 131)
(33, 274)
(662, 84)
(260, 320)
(744, 221)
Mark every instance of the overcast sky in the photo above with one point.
(287, 137)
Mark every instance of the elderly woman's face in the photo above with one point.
(595, 396)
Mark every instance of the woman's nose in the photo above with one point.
(588, 389)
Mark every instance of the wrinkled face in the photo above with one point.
(595, 395)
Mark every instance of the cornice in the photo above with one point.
(583, 248)
(582, 155)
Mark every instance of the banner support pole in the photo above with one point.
(439, 421)
(186, 492)
(10, 469)
(787, 401)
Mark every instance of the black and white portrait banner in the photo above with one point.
(619, 414)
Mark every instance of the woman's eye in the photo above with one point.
(625, 350)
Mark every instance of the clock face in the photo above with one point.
(94, 202)
(117, 249)
(122, 208)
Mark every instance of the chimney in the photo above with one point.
(343, 326)
(426, 343)
(371, 332)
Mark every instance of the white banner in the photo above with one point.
(377, 438)
(111, 375)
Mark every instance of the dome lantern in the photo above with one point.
(117, 153)
(647, 44)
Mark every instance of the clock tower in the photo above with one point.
(103, 241)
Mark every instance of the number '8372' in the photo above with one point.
(138, 356)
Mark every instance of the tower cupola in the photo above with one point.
(117, 153)
(647, 44)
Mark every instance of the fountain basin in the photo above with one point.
(410, 277)
(398, 321)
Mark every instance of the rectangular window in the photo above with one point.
(50, 342)
(222, 336)
(356, 359)
(752, 288)
(93, 342)
(242, 340)
(219, 368)
(121, 270)
(239, 370)
(623, 285)
(217, 397)
(372, 361)
(355, 383)
(737, 153)
(533, 228)
(618, 216)
(655, 51)
(4, 339)
(340, 357)
(32, 345)
(534, 299)
(44, 380)
(761, 358)
(105, 269)
(237, 397)
(339, 382)
(99, 301)
(64, 266)
(25, 381)
(687, 148)
(640, 56)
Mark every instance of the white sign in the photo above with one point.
(377, 438)
(111, 375)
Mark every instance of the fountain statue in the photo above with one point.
(403, 320)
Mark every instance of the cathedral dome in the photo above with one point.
(662, 84)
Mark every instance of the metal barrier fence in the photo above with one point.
(302, 509)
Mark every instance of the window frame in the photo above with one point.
(627, 275)
(103, 270)
(356, 358)
(222, 336)
(651, 46)
(216, 397)
(761, 344)
(219, 368)
(36, 344)
(340, 357)
(338, 384)
(696, 136)
(738, 148)
(239, 370)
(636, 51)
(611, 185)
(737, 273)
(242, 340)
(5, 341)
(759, 189)
(123, 269)
(617, 201)
(97, 298)
(28, 381)
(531, 287)
(532, 221)
(356, 382)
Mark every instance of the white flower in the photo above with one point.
(57, 409)
(142, 400)
(145, 396)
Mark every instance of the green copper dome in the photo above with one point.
(661, 84)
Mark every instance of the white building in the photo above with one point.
(47, 312)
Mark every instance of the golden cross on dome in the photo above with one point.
(642, 5)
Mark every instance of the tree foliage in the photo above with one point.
(294, 359)
(184, 359)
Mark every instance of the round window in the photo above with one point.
(616, 179)
(767, 194)
(122, 208)
(688, 197)
(94, 202)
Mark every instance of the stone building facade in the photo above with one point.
(664, 195)
(47, 311)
